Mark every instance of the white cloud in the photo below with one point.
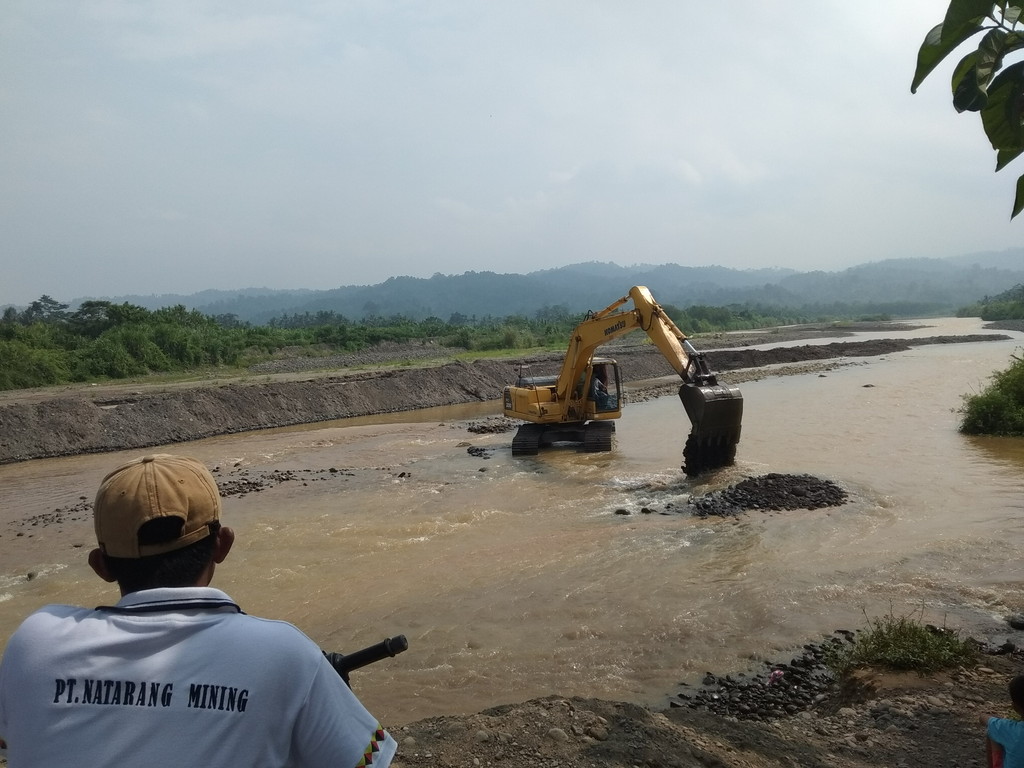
(299, 145)
(160, 31)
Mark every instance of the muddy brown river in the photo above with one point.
(514, 578)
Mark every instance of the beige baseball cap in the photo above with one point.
(160, 485)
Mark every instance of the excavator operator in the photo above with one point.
(599, 390)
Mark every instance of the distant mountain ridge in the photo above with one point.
(925, 286)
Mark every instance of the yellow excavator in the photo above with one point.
(581, 402)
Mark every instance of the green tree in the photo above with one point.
(556, 314)
(122, 314)
(92, 318)
(983, 81)
(430, 327)
(44, 309)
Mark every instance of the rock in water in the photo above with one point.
(773, 491)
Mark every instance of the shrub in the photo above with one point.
(999, 409)
(22, 366)
(107, 357)
(903, 643)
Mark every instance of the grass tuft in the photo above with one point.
(902, 643)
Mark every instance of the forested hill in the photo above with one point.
(899, 287)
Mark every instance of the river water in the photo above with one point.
(515, 578)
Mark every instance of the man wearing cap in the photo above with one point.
(174, 673)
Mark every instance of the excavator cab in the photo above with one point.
(604, 389)
(584, 416)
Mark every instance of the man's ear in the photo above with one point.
(225, 538)
(98, 562)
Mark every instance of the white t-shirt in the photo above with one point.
(177, 677)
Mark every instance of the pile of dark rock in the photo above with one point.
(493, 425)
(80, 510)
(805, 684)
(773, 491)
(243, 481)
(783, 689)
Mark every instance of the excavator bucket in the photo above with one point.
(715, 412)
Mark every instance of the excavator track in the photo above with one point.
(598, 436)
(527, 440)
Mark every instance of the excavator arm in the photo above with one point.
(612, 322)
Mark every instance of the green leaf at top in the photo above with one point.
(963, 14)
(991, 49)
(1018, 199)
(974, 72)
(1001, 117)
(1014, 41)
(968, 93)
(1006, 156)
(937, 46)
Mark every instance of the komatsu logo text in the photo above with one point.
(613, 328)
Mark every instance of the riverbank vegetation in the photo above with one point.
(1008, 305)
(902, 643)
(999, 408)
(47, 343)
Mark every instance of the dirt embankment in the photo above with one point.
(82, 419)
(886, 721)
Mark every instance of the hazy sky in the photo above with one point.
(161, 147)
